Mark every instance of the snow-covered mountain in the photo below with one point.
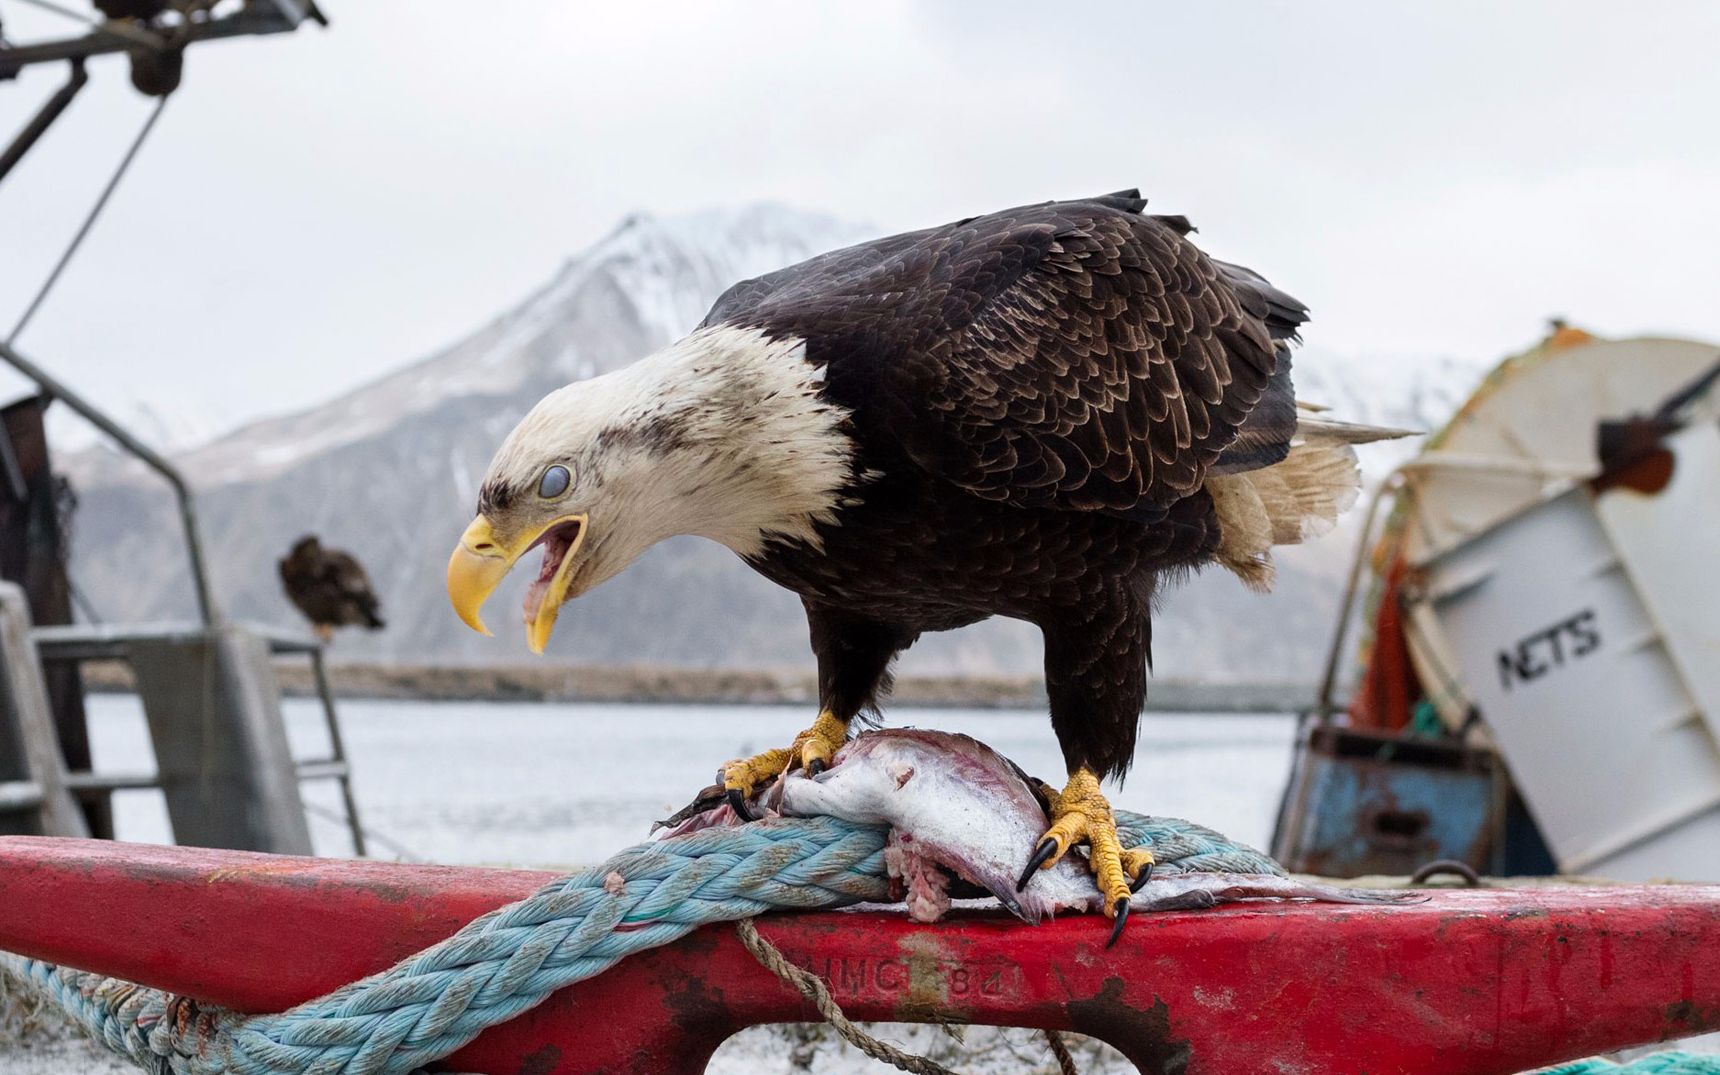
(390, 471)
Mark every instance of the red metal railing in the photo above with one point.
(1489, 981)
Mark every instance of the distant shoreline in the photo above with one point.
(664, 684)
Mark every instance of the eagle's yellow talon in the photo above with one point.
(819, 743)
(748, 774)
(1138, 863)
(816, 747)
(1080, 813)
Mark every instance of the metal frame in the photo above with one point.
(1498, 464)
(44, 117)
(57, 389)
(77, 643)
(80, 643)
(257, 17)
(1325, 705)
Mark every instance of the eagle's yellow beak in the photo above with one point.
(482, 560)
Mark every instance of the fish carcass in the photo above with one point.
(958, 811)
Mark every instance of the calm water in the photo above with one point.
(565, 784)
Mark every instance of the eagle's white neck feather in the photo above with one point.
(724, 434)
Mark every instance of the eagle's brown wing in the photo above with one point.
(1075, 355)
(344, 576)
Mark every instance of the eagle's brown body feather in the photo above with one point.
(329, 586)
(1038, 396)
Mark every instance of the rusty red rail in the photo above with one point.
(1469, 982)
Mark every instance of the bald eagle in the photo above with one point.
(1042, 413)
(330, 587)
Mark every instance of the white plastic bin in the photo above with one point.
(1586, 630)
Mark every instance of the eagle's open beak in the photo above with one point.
(481, 561)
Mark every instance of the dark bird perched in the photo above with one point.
(1042, 413)
(330, 587)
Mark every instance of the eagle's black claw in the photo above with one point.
(1047, 847)
(738, 803)
(1122, 920)
(1146, 875)
(815, 766)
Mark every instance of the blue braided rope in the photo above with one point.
(513, 958)
(1183, 847)
(1671, 1062)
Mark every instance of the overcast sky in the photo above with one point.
(315, 209)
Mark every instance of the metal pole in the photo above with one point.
(112, 37)
(110, 26)
(337, 750)
(43, 119)
(89, 222)
(181, 488)
(1334, 656)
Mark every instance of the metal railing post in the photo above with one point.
(206, 606)
(1334, 656)
(337, 751)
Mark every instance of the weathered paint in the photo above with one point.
(1365, 803)
(1478, 981)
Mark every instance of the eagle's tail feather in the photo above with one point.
(1292, 501)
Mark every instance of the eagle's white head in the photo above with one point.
(725, 434)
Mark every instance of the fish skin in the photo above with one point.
(952, 799)
(1195, 891)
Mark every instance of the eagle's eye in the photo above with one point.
(554, 482)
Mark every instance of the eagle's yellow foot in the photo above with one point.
(1081, 814)
(812, 750)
